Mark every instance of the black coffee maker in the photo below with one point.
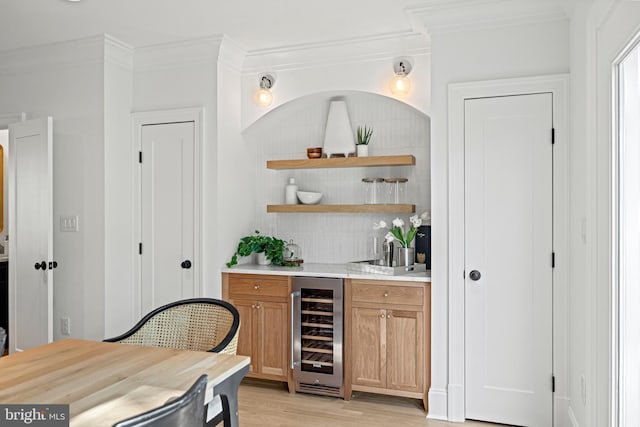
(423, 246)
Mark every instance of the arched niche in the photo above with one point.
(308, 114)
(286, 133)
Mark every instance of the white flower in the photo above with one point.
(379, 225)
(415, 221)
(398, 223)
(389, 237)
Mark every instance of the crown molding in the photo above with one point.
(184, 53)
(118, 53)
(231, 54)
(72, 53)
(445, 16)
(344, 51)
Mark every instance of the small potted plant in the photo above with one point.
(363, 135)
(269, 249)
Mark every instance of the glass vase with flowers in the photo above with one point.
(397, 232)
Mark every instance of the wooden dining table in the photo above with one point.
(107, 382)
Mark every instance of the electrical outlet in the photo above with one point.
(65, 326)
(583, 389)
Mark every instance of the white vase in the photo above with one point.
(338, 135)
(262, 259)
(362, 150)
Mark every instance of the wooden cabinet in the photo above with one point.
(263, 304)
(387, 328)
(386, 332)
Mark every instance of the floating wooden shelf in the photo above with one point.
(343, 162)
(341, 208)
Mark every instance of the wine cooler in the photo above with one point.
(316, 324)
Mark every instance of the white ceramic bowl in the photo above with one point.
(309, 197)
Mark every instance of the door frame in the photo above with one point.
(5, 121)
(558, 86)
(139, 119)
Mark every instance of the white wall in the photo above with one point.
(65, 81)
(600, 30)
(119, 239)
(461, 56)
(359, 65)
(579, 237)
(231, 166)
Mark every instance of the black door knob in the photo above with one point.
(41, 265)
(475, 275)
(53, 264)
(186, 264)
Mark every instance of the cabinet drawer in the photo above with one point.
(387, 294)
(255, 287)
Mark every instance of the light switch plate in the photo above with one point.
(69, 223)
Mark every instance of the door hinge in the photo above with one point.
(139, 156)
(553, 135)
(140, 248)
(553, 383)
(464, 274)
(553, 260)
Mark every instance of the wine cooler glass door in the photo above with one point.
(318, 331)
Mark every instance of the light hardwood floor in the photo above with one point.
(269, 404)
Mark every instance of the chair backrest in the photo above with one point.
(200, 324)
(186, 411)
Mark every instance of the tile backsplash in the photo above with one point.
(288, 131)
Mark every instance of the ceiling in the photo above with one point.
(253, 24)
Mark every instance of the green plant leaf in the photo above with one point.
(256, 243)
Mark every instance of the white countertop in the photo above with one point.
(324, 270)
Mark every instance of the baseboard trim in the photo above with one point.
(437, 404)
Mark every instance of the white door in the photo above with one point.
(508, 259)
(168, 206)
(30, 234)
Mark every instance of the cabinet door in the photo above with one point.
(368, 348)
(246, 336)
(273, 326)
(405, 350)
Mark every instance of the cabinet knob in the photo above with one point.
(388, 316)
(386, 294)
(253, 306)
(382, 316)
(258, 306)
(256, 287)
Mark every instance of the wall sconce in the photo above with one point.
(400, 84)
(264, 95)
